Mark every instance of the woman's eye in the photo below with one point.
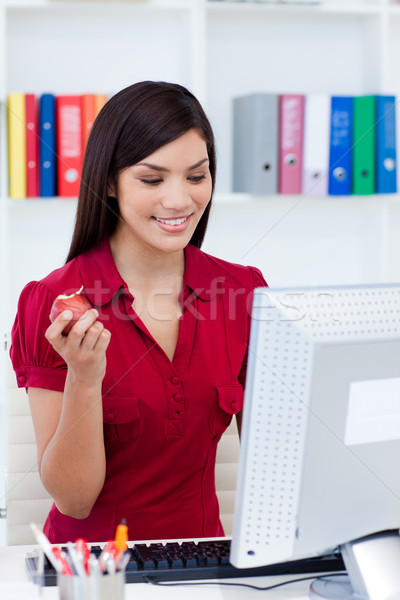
(197, 178)
(151, 181)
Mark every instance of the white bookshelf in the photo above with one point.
(218, 49)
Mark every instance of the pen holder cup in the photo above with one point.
(102, 587)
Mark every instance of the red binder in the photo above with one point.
(32, 146)
(69, 144)
(291, 134)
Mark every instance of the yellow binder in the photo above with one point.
(17, 145)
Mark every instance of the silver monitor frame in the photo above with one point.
(320, 441)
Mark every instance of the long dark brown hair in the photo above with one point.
(133, 124)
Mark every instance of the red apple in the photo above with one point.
(75, 302)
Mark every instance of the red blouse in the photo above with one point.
(162, 419)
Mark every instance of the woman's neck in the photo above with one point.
(146, 266)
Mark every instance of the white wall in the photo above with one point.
(303, 241)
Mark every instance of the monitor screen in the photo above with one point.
(320, 442)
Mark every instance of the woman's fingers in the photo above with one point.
(55, 333)
(81, 327)
(96, 337)
(103, 340)
(55, 330)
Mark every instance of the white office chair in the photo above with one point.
(27, 499)
(226, 474)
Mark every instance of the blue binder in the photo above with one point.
(341, 140)
(47, 145)
(385, 130)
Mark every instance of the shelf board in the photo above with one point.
(49, 203)
(56, 203)
(82, 4)
(27, 205)
(236, 198)
(260, 8)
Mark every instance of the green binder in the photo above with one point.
(364, 145)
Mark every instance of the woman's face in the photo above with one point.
(162, 198)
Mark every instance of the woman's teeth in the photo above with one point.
(171, 221)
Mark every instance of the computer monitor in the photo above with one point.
(319, 465)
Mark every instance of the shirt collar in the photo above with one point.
(100, 277)
(199, 275)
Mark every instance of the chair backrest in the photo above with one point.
(27, 499)
(226, 474)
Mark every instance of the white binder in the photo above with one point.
(316, 144)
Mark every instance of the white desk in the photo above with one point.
(12, 571)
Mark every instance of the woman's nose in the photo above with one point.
(176, 196)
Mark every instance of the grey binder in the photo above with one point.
(255, 143)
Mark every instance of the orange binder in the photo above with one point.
(32, 146)
(99, 102)
(69, 144)
(88, 116)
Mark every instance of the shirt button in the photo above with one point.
(21, 378)
(175, 380)
(110, 416)
(233, 406)
(177, 397)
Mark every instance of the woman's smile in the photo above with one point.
(175, 225)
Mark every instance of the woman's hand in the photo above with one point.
(84, 348)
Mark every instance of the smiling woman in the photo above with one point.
(166, 194)
(133, 125)
(129, 407)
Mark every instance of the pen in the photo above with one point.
(60, 556)
(77, 564)
(123, 561)
(46, 547)
(121, 538)
(94, 567)
(82, 552)
(109, 552)
(111, 566)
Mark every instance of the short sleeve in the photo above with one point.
(258, 281)
(258, 278)
(35, 362)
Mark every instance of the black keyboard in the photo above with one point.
(173, 561)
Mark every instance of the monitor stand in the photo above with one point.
(373, 567)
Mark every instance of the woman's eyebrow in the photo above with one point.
(165, 170)
(198, 164)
